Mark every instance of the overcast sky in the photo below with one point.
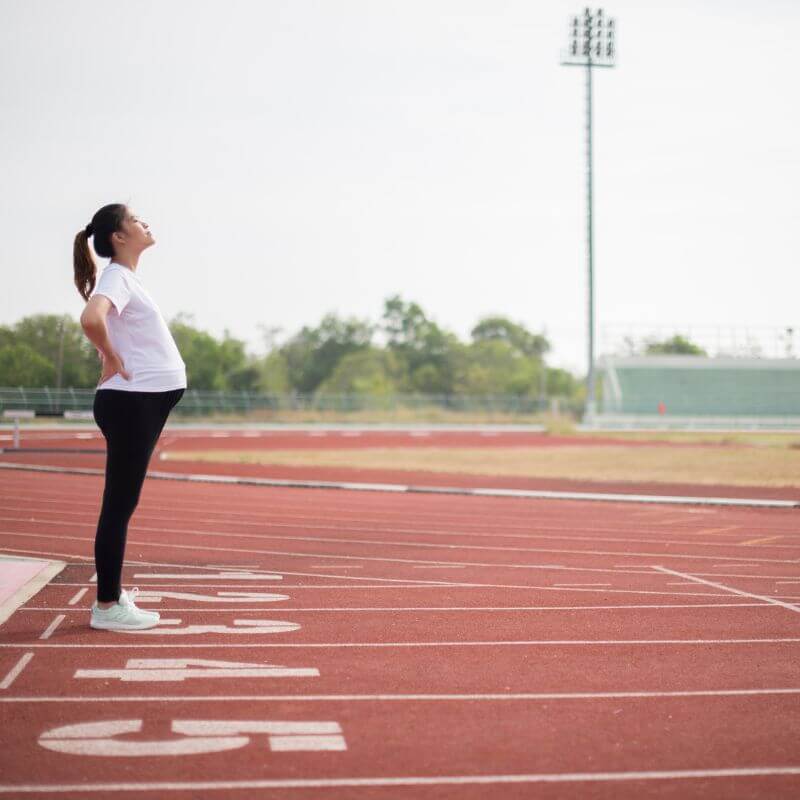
(296, 157)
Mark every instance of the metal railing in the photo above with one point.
(54, 402)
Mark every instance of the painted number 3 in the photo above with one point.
(196, 736)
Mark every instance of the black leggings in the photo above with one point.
(131, 423)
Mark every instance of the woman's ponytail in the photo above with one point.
(107, 221)
(85, 268)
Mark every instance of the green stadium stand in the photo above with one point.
(701, 390)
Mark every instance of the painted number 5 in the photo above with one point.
(197, 736)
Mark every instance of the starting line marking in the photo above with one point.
(247, 626)
(77, 596)
(239, 575)
(156, 596)
(14, 672)
(179, 669)
(411, 780)
(52, 626)
(766, 599)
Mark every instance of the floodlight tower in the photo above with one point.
(592, 43)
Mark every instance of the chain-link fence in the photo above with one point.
(54, 402)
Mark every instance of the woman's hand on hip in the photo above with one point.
(112, 364)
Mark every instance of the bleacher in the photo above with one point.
(674, 390)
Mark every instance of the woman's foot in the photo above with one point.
(129, 598)
(123, 615)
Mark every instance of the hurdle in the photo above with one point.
(17, 415)
(79, 415)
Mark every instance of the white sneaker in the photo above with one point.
(129, 599)
(123, 616)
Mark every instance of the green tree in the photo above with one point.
(561, 383)
(431, 355)
(313, 353)
(60, 341)
(273, 374)
(369, 371)
(495, 366)
(21, 365)
(534, 345)
(676, 345)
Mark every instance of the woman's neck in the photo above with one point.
(127, 261)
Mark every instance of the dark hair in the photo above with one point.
(106, 221)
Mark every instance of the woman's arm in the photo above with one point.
(93, 322)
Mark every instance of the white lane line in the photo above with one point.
(360, 542)
(334, 566)
(410, 780)
(496, 525)
(14, 672)
(722, 586)
(403, 697)
(345, 525)
(385, 645)
(78, 595)
(52, 626)
(399, 584)
(373, 609)
(581, 584)
(643, 569)
(436, 566)
(258, 552)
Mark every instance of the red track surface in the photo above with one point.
(466, 647)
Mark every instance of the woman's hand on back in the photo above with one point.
(112, 364)
(93, 322)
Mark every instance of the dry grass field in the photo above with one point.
(773, 461)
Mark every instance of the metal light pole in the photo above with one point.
(592, 43)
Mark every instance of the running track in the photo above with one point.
(354, 645)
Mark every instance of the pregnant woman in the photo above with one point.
(143, 378)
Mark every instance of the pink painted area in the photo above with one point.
(15, 573)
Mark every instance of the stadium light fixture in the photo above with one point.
(592, 42)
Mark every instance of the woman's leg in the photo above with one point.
(131, 423)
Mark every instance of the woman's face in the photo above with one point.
(136, 233)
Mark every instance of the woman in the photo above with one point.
(143, 378)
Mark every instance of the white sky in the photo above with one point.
(296, 157)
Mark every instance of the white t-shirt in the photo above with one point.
(139, 335)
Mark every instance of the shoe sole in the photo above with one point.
(145, 613)
(115, 626)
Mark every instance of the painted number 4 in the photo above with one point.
(196, 736)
